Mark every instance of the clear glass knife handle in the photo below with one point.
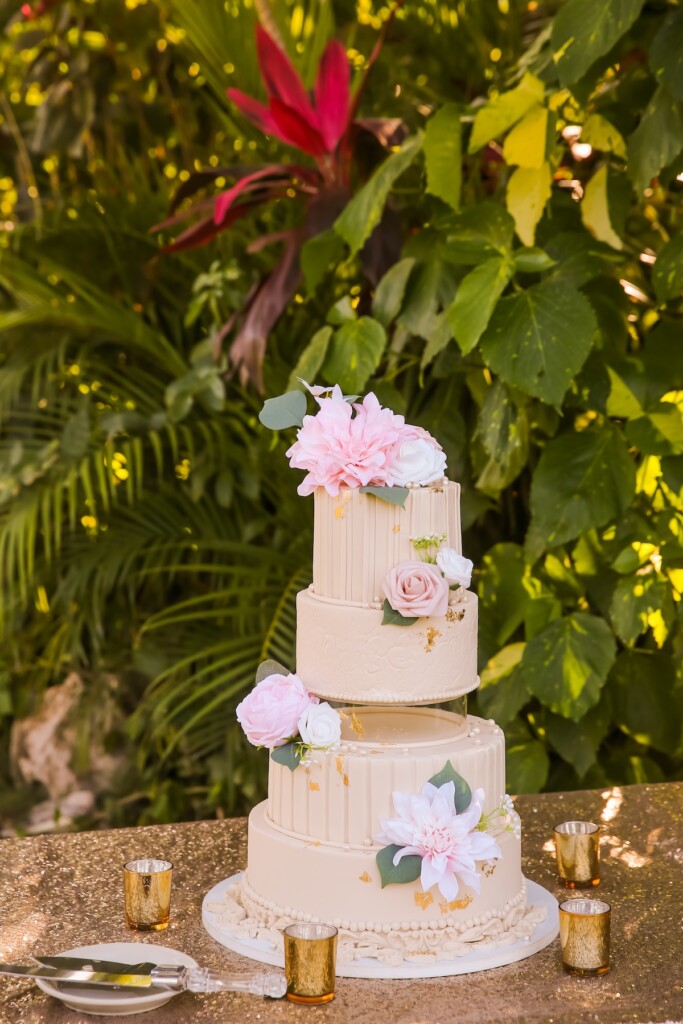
(265, 983)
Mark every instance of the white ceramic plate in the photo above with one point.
(117, 1002)
(369, 967)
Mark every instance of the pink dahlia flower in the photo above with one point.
(338, 449)
(449, 843)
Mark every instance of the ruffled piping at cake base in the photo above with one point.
(244, 915)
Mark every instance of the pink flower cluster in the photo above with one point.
(338, 449)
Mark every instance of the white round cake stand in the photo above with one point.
(369, 967)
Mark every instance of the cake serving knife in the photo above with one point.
(147, 975)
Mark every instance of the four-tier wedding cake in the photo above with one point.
(387, 814)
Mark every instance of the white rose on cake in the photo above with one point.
(320, 726)
(417, 461)
(456, 568)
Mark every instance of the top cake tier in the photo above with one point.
(358, 537)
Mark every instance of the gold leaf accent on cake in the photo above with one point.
(357, 725)
(315, 842)
(488, 869)
(433, 635)
(365, 877)
(339, 512)
(340, 770)
(313, 785)
(346, 496)
(423, 899)
(456, 905)
(453, 616)
(396, 529)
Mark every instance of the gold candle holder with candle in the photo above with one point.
(585, 935)
(577, 846)
(310, 962)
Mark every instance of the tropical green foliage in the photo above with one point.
(528, 313)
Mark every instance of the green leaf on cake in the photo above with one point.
(289, 755)
(394, 495)
(284, 411)
(407, 870)
(394, 618)
(463, 793)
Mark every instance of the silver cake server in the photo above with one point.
(147, 975)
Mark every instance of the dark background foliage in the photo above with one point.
(509, 276)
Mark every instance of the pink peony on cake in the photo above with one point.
(387, 814)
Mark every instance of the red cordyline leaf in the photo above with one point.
(281, 79)
(332, 93)
(296, 130)
(226, 199)
(257, 113)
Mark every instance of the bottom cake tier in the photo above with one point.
(290, 879)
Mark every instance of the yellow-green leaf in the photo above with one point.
(504, 110)
(601, 134)
(527, 193)
(595, 210)
(526, 144)
(443, 155)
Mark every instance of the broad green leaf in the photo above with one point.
(443, 155)
(584, 30)
(311, 359)
(393, 618)
(419, 312)
(502, 597)
(595, 211)
(567, 664)
(286, 410)
(408, 868)
(354, 353)
(475, 300)
(666, 53)
(539, 339)
(438, 339)
(502, 691)
(504, 110)
(601, 134)
(287, 755)
(389, 293)
(578, 257)
(527, 193)
(317, 256)
(667, 273)
(394, 495)
(621, 401)
(75, 439)
(463, 793)
(532, 260)
(542, 608)
(635, 601)
(526, 767)
(577, 743)
(477, 233)
(648, 705)
(503, 428)
(357, 222)
(527, 143)
(582, 480)
(657, 140)
(341, 311)
(659, 431)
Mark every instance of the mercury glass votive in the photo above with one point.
(147, 890)
(310, 960)
(577, 847)
(584, 936)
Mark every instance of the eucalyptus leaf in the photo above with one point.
(463, 793)
(394, 495)
(393, 618)
(287, 755)
(408, 868)
(286, 410)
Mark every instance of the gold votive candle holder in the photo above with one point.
(577, 847)
(310, 961)
(147, 891)
(584, 936)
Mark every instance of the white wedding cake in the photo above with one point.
(387, 814)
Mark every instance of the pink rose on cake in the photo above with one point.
(416, 589)
(270, 714)
(449, 843)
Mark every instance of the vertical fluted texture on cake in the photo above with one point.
(359, 537)
(342, 796)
